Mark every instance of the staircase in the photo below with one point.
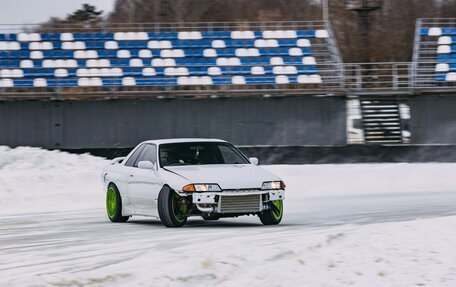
(381, 120)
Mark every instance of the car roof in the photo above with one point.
(181, 140)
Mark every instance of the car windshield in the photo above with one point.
(196, 153)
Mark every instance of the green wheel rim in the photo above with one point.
(179, 210)
(277, 209)
(111, 202)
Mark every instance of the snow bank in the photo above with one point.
(33, 179)
(37, 180)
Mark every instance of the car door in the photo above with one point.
(144, 184)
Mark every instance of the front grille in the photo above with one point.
(240, 203)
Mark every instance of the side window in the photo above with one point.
(149, 153)
(135, 156)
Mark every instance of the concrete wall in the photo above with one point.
(124, 123)
(433, 119)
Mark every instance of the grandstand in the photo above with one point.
(252, 56)
(434, 55)
(376, 103)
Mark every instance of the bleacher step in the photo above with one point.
(381, 120)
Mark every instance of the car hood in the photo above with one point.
(236, 176)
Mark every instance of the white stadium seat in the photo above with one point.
(284, 70)
(206, 80)
(83, 82)
(6, 83)
(48, 63)
(279, 34)
(11, 73)
(303, 79)
(66, 37)
(171, 71)
(295, 52)
(321, 34)
(120, 36)
(218, 44)
(36, 55)
(445, 40)
(442, 67)
(303, 43)
(214, 71)
(159, 45)
(128, 81)
(83, 54)
(149, 72)
(29, 37)
(309, 61)
(59, 73)
(238, 80)
(83, 72)
(26, 64)
(23, 37)
(145, 53)
(111, 45)
(194, 80)
(262, 43)
(242, 35)
(9, 46)
(315, 79)
(176, 53)
(275, 61)
(123, 54)
(435, 31)
(141, 36)
(282, 79)
(210, 53)
(257, 70)
(136, 63)
(450, 77)
(39, 82)
(444, 49)
(189, 36)
(247, 52)
(228, 61)
(92, 63)
(116, 72)
(71, 63)
(159, 62)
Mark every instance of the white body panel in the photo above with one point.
(139, 188)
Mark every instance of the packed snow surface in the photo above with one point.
(344, 225)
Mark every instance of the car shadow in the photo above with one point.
(193, 223)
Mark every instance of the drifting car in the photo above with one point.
(174, 179)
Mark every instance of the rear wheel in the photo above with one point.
(172, 209)
(274, 214)
(114, 205)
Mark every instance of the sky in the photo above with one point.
(37, 11)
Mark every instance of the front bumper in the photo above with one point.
(244, 201)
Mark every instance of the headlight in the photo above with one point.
(273, 185)
(201, 187)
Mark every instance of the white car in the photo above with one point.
(177, 178)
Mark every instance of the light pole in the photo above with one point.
(325, 10)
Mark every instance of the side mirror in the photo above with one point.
(146, 165)
(253, 160)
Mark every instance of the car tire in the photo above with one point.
(211, 217)
(169, 211)
(273, 215)
(114, 205)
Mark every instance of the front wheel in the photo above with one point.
(274, 214)
(114, 205)
(171, 208)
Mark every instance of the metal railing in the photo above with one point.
(102, 27)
